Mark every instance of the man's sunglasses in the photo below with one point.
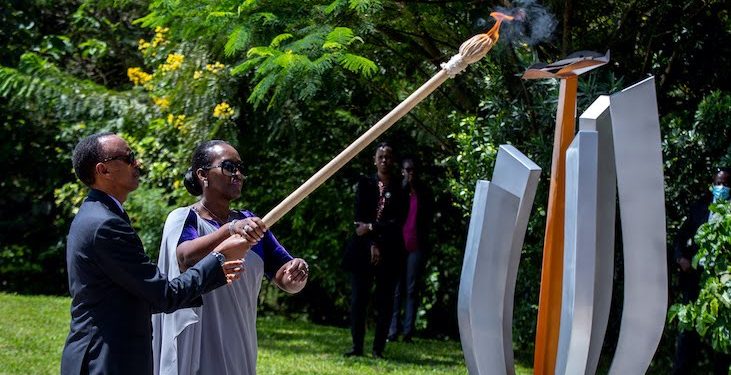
(229, 168)
(128, 158)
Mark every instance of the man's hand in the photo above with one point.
(234, 247)
(375, 255)
(233, 270)
(684, 264)
(362, 228)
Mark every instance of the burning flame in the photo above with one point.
(494, 32)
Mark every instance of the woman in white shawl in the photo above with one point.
(220, 336)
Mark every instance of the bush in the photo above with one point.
(710, 314)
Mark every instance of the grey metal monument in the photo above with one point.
(500, 213)
(616, 156)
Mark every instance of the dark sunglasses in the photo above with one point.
(229, 168)
(128, 158)
(409, 169)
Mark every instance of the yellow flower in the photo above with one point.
(178, 122)
(143, 45)
(138, 77)
(162, 102)
(197, 74)
(215, 67)
(159, 36)
(223, 110)
(173, 62)
(177, 184)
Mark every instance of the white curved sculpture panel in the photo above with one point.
(482, 284)
(636, 132)
(500, 213)
(518, 175)
(597, 117)
(579, 263)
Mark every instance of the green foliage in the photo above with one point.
(39, 86)
(694, 144)
(283, 67)
(710, 314)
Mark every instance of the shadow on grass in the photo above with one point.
(290, 337)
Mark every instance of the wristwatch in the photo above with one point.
(221, 258)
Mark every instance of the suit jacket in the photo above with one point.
(115, 289)
(387, 229)
(684, 245)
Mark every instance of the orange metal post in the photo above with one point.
(549, 305)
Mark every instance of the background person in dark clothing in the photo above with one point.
(689, 343)
(419, 200)
(374, 255)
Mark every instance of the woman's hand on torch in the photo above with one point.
(251, 228)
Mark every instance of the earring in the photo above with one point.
(205, 183)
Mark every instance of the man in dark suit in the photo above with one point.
(114, 286)
(379, 216)
(689, 343)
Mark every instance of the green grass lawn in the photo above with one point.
(33, 330)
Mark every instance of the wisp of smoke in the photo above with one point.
(533, 24)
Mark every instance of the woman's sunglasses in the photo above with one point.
(229, 168)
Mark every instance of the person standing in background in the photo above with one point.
(375, 253)
(417, 245)
(688, 342)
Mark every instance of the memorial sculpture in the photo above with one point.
(616, 156)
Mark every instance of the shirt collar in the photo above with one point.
(117, 202)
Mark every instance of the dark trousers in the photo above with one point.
(689, 343)
(362, 282)
(407, 288)
(686, 356)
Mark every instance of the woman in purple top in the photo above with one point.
(417, 244)
(220, 336)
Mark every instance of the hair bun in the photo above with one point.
(191, 183)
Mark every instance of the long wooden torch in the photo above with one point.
(470, 52)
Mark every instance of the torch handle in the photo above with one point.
(349, 153)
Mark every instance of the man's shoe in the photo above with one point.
(408, 339)
(392, 338)
(378, 355)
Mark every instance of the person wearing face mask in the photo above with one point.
(220, 336)
(688, 342)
